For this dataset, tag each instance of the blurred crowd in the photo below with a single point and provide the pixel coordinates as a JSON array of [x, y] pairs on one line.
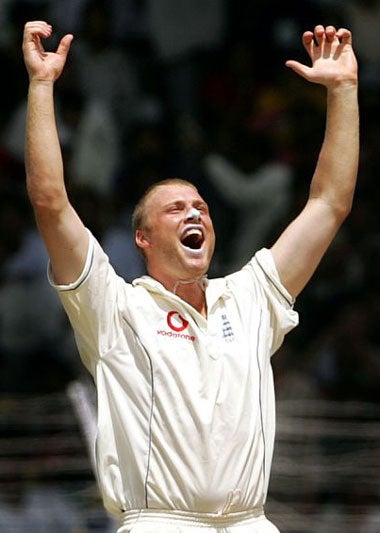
[[195, 89]]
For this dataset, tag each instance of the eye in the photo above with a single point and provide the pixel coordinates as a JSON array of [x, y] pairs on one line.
[[173, 209], [202, 208]]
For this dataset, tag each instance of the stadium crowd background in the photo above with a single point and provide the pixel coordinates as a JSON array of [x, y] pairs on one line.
[[196, 89]]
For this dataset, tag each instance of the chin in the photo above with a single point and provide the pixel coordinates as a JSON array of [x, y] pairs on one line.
[[197, 269], [196, 262]]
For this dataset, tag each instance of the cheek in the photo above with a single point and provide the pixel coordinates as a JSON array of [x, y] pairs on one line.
[[165, 239], [210, 229]]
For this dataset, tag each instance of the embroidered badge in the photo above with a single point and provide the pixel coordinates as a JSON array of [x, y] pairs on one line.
[[227, 330]]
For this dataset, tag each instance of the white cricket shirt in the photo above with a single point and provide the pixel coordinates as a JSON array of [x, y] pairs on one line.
[[186, 414]]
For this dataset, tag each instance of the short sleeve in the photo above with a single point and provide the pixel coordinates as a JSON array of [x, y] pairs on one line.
[[259, 293], [92, 305]]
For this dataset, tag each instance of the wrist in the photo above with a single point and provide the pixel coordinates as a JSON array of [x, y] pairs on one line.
[[36, 82], [343, 86]]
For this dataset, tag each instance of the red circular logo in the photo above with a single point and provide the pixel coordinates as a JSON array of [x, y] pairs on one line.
[[176, 322]]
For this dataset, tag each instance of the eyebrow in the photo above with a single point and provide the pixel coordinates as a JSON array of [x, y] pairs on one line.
[[197, 202]]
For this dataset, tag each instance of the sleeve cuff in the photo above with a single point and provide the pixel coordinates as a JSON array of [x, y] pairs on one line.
[[266, 262]]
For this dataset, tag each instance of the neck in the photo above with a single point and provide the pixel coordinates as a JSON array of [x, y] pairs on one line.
[[192, 292]]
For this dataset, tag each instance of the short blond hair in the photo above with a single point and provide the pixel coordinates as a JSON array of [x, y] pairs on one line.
[[139, 216]]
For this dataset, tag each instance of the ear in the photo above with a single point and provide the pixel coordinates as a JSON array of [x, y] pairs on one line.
[[142, 240]]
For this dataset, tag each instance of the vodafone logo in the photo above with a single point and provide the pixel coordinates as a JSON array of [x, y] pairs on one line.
[[176, 322], [177, 325]]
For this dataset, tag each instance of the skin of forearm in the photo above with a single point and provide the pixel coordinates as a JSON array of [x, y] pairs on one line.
[[43, 159], [335, 175]]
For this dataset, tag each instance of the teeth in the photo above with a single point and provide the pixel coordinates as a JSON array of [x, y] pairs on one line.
[[193, 231]]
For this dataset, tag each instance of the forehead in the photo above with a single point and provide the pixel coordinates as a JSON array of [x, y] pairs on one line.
[[167, 194]]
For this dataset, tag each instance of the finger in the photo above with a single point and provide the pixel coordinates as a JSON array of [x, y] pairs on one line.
[[308, 42], [307, 38], [39, 27], [319, 34], [344, 35], [33, 32], [330, 33]]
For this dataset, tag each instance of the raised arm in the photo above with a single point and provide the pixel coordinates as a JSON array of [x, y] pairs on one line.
[[64, 234], [300, 248]]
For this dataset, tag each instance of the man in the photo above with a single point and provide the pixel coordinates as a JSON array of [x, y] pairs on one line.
[[181, 363]]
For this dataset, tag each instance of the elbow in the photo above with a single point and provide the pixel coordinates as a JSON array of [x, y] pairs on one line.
[[51, 199], [343, 210], [338, 202], [344, 206]]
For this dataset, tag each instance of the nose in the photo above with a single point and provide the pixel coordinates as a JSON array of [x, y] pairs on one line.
[[193, 213]]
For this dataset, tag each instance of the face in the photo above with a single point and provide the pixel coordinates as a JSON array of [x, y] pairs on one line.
[[179, 240]]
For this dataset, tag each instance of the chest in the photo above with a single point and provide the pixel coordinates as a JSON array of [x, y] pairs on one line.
[[213, 358]]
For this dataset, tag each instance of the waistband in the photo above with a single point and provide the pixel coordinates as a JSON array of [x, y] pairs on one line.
[[186, 518]]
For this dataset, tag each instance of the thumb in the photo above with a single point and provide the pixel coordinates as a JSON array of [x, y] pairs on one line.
[[299, 68], [64, 45]]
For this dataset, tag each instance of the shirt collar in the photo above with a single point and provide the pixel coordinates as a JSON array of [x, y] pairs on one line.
[[215, 288]]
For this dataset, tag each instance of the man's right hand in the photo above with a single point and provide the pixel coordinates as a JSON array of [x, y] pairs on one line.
[[42, 65]]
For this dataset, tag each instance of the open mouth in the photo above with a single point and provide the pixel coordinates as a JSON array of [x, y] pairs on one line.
[[192, 238]]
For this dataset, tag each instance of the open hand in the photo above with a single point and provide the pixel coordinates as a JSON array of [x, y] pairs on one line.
[[332, 56], [42, 65]]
